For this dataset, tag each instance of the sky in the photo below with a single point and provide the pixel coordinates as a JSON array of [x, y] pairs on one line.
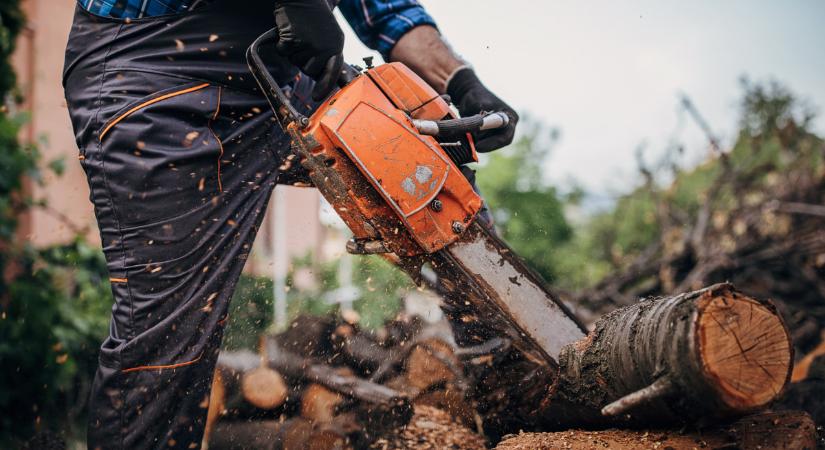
[[609, 74]]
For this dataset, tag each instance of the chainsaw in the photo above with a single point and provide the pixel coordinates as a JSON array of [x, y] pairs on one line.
[[382, 151]]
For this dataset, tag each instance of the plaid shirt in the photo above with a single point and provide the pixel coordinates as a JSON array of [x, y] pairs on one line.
[[378, 23]]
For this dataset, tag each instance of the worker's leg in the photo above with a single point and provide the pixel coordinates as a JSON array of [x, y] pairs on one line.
[[181, 165]]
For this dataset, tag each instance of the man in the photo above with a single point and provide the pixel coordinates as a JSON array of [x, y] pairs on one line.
[[181, 153]]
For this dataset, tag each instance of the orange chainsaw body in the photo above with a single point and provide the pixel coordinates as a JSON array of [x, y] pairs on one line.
[[368, 122]]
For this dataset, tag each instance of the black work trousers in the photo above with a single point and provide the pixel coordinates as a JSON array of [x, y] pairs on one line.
[[181, 153]]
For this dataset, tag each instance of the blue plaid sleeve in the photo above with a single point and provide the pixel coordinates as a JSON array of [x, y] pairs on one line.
[[135, 9], [381, 23]]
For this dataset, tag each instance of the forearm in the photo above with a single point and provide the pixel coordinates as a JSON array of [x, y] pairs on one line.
[[424, 51]]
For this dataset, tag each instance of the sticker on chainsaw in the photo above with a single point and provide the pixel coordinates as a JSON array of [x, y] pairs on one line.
[[402, 165]]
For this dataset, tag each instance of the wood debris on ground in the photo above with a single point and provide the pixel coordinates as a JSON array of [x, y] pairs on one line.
[[331, 383], [774, 431], [432, 429]]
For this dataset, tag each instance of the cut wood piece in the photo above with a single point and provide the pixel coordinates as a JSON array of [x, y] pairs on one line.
[[264, 388], [319, 404], [431, 362], [745, 347], [298, 368], [308, 336], [802, 368], [359, 349], [782, 431], [451, 399], [217, 404], [295, 434], [710, 353]]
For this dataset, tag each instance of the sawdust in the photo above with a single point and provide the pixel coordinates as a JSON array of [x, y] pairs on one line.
[[432, 428], [789, 430], [609, 439]]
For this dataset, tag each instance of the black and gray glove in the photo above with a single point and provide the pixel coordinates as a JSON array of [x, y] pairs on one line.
[[310, 38], [471, 97]]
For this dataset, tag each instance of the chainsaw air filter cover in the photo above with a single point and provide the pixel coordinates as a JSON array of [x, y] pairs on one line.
[[370, 121]]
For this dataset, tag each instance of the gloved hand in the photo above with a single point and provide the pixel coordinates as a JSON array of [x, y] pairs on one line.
[[310, 38], [471, 97]]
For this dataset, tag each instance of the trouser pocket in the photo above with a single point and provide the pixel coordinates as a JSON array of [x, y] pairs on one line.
[[160, 155]]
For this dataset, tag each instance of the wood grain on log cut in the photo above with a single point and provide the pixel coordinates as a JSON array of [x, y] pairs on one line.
[[744, 347], [264, 388], [319, 404]]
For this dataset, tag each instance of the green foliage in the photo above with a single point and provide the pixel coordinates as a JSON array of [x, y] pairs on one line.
[[251, 313], [382, 288], [772, 140], [54, 302], [50, 331], [11, 22], [529, 212]]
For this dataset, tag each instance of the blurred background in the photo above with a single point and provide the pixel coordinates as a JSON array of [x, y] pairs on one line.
[[663, 147]]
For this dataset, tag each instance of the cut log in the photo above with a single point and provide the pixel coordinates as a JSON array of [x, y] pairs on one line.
[[392, 406], [707, 354], [318, 404], [359, 349], [431, 362], [308, 336], [452, 400], [247, 389], [264, 388], [297, 367]]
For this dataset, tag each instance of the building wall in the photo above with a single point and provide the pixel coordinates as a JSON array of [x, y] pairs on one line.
[[39, 65]]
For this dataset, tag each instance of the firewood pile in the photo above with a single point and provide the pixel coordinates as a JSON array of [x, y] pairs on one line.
[[711, 355], [325, 383]]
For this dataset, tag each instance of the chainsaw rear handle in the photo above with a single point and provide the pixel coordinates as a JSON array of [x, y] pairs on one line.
[[457, 127], [279, 102]]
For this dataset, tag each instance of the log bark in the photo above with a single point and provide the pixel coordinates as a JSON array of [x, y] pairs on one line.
[[713, 353]]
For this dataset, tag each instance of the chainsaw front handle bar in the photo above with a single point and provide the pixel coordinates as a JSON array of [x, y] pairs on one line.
[[457, 127], [279, 102]]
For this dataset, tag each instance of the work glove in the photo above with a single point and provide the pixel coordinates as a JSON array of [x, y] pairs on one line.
[[471, 97], [310, 38]]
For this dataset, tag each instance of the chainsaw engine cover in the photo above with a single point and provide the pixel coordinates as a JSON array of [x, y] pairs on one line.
[[369, 121]]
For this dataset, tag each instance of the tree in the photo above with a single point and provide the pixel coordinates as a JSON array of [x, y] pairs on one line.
[[528, 210]]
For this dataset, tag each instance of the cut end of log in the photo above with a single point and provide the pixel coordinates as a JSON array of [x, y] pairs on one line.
[[264, 388], [318, 404], [744, 347]]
